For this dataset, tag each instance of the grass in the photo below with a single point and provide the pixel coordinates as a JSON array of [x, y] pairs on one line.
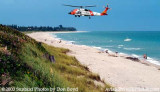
[[70, 69], [26, 64]]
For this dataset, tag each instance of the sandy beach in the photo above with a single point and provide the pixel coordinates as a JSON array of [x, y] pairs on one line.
[[117, 71]]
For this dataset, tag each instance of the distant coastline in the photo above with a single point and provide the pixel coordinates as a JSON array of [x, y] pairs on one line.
[[41, 28]]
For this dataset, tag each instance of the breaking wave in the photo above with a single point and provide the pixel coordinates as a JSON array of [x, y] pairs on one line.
[[120, 45], [127, 40], [149, 59], [97, 47], [132, 48]]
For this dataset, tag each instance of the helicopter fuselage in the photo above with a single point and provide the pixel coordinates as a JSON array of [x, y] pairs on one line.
[[84, 12]]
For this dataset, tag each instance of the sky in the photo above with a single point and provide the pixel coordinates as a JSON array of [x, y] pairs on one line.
[[126, 15]]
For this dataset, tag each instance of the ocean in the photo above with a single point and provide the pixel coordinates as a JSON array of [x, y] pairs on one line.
[[134, 43]]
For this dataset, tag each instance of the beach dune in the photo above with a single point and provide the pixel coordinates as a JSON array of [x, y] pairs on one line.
[[117, 71]]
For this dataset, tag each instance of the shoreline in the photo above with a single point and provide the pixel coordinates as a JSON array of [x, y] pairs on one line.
[[149, 61], [120, 54], [117, 71]]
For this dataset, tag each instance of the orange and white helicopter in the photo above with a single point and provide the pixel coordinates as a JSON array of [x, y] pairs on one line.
[[86, 12]]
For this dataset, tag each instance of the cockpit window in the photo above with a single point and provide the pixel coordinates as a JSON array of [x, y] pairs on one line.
[[86, 10]]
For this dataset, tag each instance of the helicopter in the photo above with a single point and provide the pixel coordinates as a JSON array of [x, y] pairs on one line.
[[82, 11]]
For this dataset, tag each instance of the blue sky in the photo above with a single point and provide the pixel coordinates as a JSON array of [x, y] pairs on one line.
[[126, 15]]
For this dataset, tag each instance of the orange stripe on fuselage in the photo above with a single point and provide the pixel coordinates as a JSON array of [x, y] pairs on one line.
[[91, 13]]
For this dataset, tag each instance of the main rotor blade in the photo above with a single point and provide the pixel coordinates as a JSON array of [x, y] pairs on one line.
[[72, 5], [90, 6], [80, 6]]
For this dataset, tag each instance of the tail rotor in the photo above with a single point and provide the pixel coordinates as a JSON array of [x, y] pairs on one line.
[[105, 11]]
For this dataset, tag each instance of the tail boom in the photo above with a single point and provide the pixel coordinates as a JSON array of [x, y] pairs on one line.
[[105, 11]]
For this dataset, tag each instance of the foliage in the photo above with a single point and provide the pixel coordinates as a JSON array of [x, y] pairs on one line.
[[42, 28]]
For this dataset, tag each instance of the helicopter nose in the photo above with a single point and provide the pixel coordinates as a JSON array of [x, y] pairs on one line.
[[69, 13]]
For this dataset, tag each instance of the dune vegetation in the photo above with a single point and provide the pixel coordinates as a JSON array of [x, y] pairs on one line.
[[26, 63]]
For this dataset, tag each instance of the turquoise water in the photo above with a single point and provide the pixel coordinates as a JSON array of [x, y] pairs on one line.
[[135, 43]]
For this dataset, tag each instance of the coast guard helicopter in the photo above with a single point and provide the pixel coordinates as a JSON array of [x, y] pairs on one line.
[[86, 12]]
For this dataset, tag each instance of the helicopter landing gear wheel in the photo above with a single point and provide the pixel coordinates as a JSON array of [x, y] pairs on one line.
[[75, 15], [89, 17], [79, 16]]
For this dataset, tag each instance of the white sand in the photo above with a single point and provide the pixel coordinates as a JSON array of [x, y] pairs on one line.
[[117, 71]]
